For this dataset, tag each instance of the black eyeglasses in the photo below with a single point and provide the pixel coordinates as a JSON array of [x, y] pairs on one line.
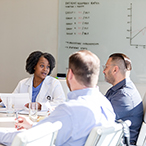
[[105, 66]]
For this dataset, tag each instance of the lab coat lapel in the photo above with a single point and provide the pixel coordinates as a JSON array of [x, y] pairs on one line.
[[43, 90], [29, 83]]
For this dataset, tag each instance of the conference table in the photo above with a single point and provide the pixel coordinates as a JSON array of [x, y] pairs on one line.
[[8, 121]]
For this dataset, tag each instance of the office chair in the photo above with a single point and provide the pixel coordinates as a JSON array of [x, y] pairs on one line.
[[106, 136], [41, 135], [65, 87], [141, 141]]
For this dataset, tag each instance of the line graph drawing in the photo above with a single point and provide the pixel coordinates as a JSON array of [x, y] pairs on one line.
[[137, 25], [139, 32]]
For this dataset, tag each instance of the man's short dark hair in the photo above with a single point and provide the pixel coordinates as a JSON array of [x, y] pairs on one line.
[[33, 59], [120, 56], [85, 66]]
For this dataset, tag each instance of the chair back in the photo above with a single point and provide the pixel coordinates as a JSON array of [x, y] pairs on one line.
[[141, 141], [105, 136], [144, 107], [43, 134], [65, 87]]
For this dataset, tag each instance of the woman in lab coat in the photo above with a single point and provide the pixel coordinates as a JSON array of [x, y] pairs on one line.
[[42, 88]]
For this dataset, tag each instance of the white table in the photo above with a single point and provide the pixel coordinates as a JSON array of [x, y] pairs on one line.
[[6, 121], [9, 121]]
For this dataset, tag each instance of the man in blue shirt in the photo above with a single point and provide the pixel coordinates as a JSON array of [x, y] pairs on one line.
[[124, 96], [86, 107]]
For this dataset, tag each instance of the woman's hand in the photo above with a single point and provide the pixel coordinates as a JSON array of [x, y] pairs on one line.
[[27, 105], [39, 105]]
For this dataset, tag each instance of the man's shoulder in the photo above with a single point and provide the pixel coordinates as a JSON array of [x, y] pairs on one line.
[[130, 90], [125, 88], [126, 94]]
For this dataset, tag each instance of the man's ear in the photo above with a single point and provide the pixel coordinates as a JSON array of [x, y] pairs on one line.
[[70, 74], [115, 69]]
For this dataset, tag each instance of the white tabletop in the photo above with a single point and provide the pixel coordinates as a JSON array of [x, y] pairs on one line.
[[7, 122]]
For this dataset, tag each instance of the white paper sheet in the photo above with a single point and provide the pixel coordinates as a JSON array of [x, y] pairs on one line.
[[18, 99]]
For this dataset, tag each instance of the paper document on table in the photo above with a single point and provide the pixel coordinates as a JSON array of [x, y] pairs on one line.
[[18, 99], [39, 113]]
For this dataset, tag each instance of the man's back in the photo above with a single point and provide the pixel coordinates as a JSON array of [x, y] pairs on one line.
[[86, 109]]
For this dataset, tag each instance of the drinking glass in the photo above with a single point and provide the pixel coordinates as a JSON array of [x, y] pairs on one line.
[[10, 105], [33, 109]]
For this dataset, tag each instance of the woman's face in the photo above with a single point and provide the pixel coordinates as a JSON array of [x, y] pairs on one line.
[[42, 68]]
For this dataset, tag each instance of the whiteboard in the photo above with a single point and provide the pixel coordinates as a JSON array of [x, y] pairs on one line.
[[103, 27]]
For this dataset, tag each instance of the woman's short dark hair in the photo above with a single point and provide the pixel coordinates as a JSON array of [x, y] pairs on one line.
[[33, 59]]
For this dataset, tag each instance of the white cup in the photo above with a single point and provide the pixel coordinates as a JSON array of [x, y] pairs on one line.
[[33, 109]]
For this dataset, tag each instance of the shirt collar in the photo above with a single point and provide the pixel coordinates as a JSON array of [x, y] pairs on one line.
[[120, 84], [83, 92]]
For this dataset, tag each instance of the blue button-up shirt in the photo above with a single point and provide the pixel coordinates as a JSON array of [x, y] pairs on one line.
[[85, 109], [127, 104]]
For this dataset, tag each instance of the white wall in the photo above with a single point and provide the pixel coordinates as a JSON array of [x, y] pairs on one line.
[[25, 26]]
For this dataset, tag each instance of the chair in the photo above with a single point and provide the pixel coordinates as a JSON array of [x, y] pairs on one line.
[[106, 136], [64, 86], [43, 134], [141, 141]]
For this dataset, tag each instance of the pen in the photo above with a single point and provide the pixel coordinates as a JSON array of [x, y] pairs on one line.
[[16, 114], [17, 118]]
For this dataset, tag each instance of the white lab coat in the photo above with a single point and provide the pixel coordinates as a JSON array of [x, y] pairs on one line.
[[51, 87]]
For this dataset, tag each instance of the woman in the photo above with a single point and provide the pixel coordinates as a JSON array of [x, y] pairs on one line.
[[42, 88]]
